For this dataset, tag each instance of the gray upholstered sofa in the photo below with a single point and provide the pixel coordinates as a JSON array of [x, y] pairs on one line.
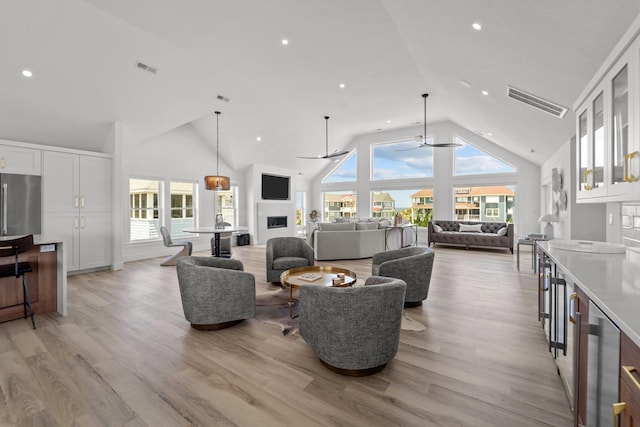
[[484, 234], [355, 240]]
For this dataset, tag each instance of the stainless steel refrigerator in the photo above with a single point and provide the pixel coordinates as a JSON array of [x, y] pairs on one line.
[[20, 204]]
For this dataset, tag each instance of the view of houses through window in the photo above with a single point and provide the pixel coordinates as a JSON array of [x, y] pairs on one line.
[[415, 206], [182, 210], [338, 204], [144, 211], [485, 203]]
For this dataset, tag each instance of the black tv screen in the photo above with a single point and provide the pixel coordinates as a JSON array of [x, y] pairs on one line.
[[275, 187]]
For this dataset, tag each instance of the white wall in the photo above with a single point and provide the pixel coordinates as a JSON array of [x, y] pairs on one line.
[[527, 178], [180, 154], [581, 221]]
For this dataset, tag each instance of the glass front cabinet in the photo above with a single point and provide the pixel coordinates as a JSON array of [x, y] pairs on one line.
[[607, 126]]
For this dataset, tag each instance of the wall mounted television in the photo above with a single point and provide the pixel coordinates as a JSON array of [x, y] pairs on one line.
[[275, 187]]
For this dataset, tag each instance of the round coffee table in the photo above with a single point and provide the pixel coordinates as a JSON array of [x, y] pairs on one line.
[[294, 279]]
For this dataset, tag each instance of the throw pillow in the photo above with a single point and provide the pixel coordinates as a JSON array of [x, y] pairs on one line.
[[474, 228], [436, 228], [337, 226], [366, 225], [502, 231]]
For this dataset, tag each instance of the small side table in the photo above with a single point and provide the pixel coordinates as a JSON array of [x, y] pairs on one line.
[[530, 240], [402, 227]]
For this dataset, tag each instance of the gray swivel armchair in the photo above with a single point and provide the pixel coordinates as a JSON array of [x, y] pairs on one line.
[[216, 292], [187, 248], [413, 265], [353, 331], [284, 253]]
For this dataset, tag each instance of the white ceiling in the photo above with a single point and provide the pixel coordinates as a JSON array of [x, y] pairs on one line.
[[388, 52]]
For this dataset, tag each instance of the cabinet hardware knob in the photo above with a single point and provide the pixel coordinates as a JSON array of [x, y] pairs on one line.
[[586, 179], [76, 222], [618, 408], [82, 201], [572, 296], [628, 177], [76, 202], [629, 370]]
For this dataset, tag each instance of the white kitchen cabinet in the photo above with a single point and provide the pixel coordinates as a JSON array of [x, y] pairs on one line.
[[77, 206], [20, 160], [607, 125]]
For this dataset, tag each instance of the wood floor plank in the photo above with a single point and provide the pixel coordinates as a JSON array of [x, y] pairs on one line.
[[125, 355]]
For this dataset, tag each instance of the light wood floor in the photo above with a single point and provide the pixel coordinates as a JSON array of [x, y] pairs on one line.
[[125, 356]]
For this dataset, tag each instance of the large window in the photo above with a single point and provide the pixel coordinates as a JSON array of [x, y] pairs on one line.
[[144, 209], [346, 170], [492, 203], [470, 160], [182, 208], [401, 160], [226, 204], [338, 204], [300, 210], [415, 205]]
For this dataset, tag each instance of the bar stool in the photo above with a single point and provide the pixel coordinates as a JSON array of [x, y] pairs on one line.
[[18, 269]]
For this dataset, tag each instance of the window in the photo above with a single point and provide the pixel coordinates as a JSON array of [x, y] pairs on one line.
[[144, 212], [300, 217], [182, 212], [345, 172], [339, 204], [470, 160], [225, 204], [492, 203], [397, 160], [414, 205]]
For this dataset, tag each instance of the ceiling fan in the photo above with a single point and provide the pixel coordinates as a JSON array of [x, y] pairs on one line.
[[327, 155], [422, 139]]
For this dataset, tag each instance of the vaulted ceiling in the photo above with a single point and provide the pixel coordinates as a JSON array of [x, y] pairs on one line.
[[84, 56]]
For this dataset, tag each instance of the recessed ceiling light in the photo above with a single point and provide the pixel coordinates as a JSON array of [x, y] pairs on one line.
[[259, 139], [27, 73], [285, 42], [476, 26], [464, 83], [336, 161], [388, 121], [342, 85], [484, 92], [489, 134]]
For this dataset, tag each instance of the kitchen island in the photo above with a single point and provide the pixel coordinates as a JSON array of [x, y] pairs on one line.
[[47, 282], [602, 342]]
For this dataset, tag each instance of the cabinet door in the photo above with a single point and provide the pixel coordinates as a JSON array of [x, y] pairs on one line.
[[581, 356], [95, 184], [591, 148], [60, 182], [630, 417], [66, 226], [622, 145], [20, 160], [95, 240]]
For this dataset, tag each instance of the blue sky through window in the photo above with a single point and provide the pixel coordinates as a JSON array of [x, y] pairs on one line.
[[390, 163], [473, 161], [346, 172]]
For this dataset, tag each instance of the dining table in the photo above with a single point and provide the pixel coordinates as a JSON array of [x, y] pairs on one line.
[[216, 231]]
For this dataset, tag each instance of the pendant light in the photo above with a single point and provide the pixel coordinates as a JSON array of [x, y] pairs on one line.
[[217, 182], [422, 139], [326, 153]]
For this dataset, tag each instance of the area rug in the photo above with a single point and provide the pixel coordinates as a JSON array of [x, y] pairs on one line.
[[272, 307]]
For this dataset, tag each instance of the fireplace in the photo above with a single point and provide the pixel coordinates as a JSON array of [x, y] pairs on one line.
[[276, 222]]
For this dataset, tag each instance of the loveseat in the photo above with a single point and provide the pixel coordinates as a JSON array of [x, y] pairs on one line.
[[471, 233], [355, 239]]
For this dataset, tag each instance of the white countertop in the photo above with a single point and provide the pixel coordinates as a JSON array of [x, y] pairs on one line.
[[611, 281]]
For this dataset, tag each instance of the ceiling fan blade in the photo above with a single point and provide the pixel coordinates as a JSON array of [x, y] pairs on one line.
[[311, 157], [414, 148], [444, 144], [336, 154]]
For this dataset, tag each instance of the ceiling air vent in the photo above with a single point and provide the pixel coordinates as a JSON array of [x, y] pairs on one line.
[[537, 102], [146, 67]]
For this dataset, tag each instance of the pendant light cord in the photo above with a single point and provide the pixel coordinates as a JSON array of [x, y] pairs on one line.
[[217, 145], [326, 135], [424, 135]]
